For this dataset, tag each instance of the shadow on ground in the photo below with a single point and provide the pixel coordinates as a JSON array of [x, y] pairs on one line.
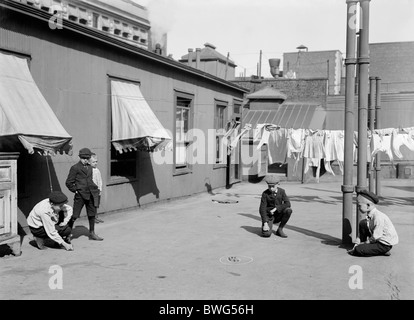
[[326, 238]]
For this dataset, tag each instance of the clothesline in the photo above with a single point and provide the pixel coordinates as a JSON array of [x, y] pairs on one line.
[[322, 146]]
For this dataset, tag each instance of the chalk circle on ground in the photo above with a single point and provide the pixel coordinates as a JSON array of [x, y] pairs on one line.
[[232, 260], [227, 201]]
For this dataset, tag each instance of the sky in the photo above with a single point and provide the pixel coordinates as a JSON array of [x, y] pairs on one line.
[[244, 28]]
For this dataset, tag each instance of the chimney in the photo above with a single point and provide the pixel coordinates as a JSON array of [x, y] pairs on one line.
[[274, 67], [198, 51], [190, 57], [158, 49]]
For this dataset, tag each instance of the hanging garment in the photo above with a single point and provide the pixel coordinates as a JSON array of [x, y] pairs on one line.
[[314, 150], [402, 138], [277, 147], [295, 142], [334, 149], [236, 140], [381, 143], [295, 145], [266, 130]]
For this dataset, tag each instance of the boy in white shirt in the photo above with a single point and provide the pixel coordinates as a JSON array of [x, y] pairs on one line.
[[49, 219], [97, 179]]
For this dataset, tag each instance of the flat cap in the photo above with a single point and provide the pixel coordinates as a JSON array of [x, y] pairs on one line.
[[272, 179], [369, 195], [58, 197], [85, 152]]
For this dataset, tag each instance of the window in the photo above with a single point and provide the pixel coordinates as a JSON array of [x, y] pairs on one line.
[[220, 127], [237, 108], [122, 165], [95, 19], [183, 123]]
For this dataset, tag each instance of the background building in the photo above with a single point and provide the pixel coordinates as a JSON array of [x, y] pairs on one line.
[[84, 76]]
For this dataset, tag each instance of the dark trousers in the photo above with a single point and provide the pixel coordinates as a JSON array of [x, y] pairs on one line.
[[369, 249], [282, 217], [41, 232], [78, 204]]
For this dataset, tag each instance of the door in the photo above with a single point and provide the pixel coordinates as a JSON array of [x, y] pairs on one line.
[[8, 195]]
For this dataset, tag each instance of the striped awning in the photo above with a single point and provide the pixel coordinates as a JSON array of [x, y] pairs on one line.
[[134, 124], [25, 116]]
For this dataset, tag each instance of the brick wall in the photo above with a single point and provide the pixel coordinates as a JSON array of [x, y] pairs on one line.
[[297, 90], [394, 64]]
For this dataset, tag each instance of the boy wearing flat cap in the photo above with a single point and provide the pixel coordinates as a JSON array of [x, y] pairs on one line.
[[49, 219], [274, 207], [80, 182], [377, 234]]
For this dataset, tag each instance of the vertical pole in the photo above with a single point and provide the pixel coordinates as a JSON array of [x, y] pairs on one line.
[[363, 62], [371, 122], [329, 84], [260, 65], [227, 65], [350, 62], [378, 126]]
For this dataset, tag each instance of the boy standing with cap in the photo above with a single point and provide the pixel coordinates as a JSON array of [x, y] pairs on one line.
[[49, 219], [377, 234], [274, 207], [79, 181]]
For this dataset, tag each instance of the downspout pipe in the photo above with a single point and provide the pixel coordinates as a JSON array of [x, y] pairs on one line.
[[378, 126], [350, 63], [363, 62], [371, 125]]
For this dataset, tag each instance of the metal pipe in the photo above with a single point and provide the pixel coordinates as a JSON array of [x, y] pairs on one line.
[[350, 62], [190, 57], [363, 62], [198, 52], [378, 126], [371, 125]]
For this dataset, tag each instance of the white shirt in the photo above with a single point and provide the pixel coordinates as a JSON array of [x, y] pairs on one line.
[[97, 178], [43, 215], [381, 227]]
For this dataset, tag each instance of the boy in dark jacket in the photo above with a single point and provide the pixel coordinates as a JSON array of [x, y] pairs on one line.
[[274, 208], [79, 181]]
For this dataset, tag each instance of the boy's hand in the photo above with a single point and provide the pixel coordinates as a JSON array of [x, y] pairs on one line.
[[67, 246]]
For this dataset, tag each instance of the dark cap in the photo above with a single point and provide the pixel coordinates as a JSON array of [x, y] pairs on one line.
[[369, 195], [58, 197], [85, 153], [272, 179]]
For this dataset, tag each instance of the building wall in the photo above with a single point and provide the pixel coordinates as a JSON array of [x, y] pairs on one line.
[[72, 71], [297, 90], [393, 62], [316, 64]]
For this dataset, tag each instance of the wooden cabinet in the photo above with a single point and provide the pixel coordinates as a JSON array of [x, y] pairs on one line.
[[8, 202]]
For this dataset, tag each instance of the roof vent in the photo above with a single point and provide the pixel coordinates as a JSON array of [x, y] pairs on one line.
[[209, 45]]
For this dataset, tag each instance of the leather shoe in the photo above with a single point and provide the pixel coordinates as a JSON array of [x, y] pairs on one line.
[[94, 236], [68, 239], [281, 234], [40, 243]]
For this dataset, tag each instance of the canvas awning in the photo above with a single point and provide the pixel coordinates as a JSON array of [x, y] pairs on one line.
[[25, 116], [289, 115], [134, 124]]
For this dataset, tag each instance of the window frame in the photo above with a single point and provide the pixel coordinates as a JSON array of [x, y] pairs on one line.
[[117, 179], [221, 160], [187, 167]]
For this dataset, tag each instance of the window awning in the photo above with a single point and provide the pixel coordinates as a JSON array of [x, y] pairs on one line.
[[25, 116], [134, 124], [289, 115]]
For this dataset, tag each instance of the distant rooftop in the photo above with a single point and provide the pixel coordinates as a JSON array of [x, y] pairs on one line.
[[208, 53]]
